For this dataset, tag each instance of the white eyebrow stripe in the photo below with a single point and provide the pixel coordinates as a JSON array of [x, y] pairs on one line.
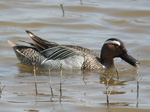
[[113, 42]]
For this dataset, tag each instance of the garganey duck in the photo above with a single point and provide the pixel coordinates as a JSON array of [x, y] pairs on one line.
[[52, 55]]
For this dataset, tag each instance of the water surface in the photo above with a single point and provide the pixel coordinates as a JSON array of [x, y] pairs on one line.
[[88, 24]]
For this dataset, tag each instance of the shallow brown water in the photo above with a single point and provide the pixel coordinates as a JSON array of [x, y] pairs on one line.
[[88, 25]]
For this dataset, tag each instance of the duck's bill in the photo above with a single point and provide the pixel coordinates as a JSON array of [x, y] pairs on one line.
[[129, 59]]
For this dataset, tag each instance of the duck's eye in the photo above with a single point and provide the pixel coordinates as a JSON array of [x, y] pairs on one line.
[[116, 46]]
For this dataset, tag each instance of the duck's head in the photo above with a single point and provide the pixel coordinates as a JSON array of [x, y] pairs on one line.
[[113, 48]]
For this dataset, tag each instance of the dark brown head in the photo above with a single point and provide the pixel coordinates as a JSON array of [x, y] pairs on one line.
[[113, 48]]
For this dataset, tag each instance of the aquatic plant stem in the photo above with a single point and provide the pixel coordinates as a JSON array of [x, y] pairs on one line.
[[35, 81], [1, 89], [107, 92], [138, 83], [117, 73], [50, 83], [61, 88], [107, 75], [84, 79], [60, 82], [62, 9]]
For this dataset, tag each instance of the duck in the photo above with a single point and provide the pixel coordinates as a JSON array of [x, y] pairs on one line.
[[48, 54]]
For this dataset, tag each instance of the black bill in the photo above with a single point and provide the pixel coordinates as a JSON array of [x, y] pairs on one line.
[[129, 59]]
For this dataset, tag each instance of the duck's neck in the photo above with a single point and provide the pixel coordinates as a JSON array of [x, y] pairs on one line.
[[107, 56], [107, 62]]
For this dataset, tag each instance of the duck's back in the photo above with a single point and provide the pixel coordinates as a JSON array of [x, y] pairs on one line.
[[52, 55]]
